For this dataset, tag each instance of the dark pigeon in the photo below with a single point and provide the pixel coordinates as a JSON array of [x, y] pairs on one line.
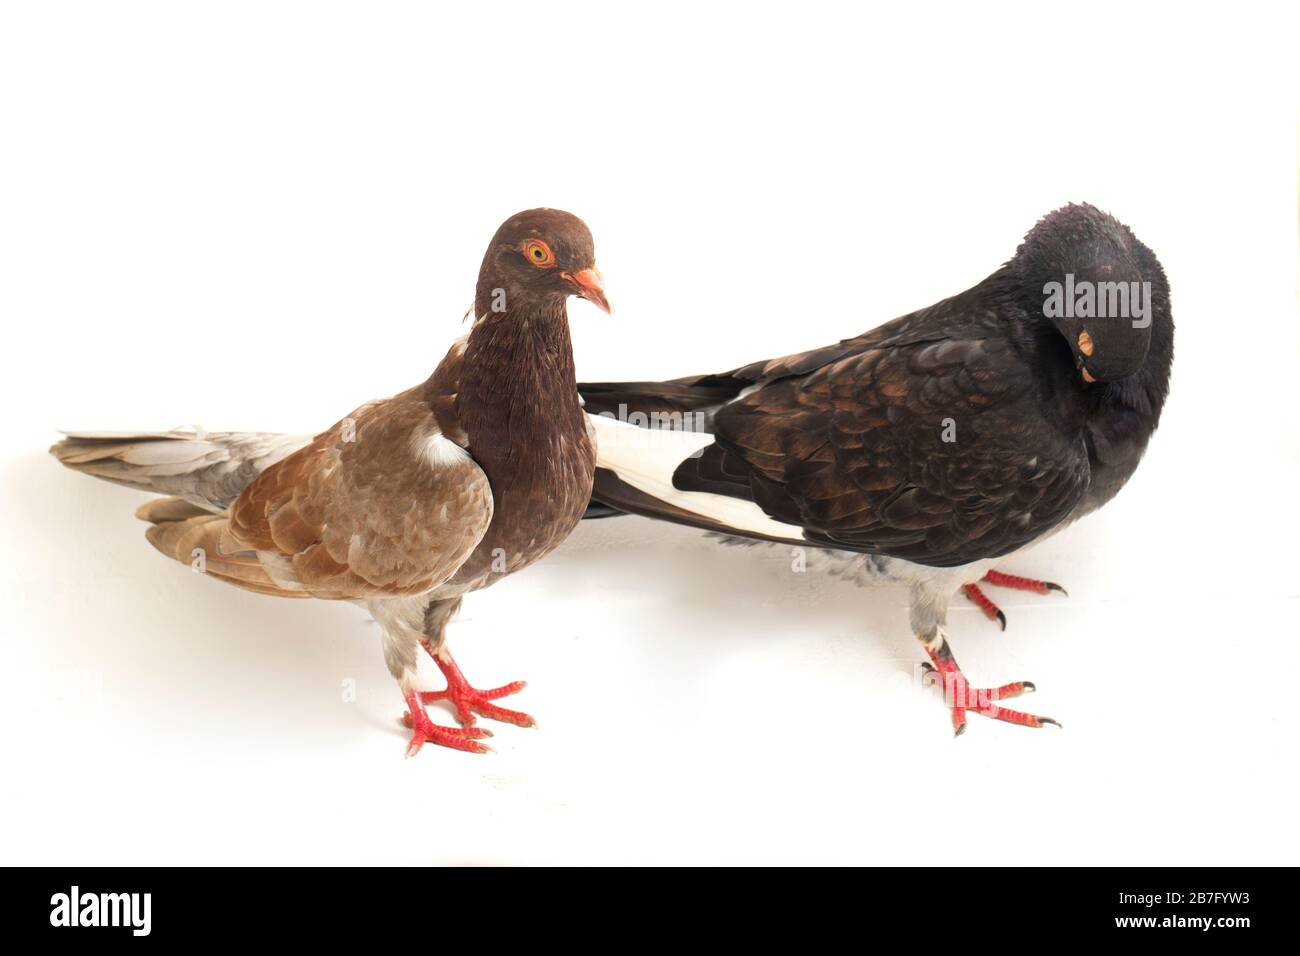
[[927, 449]]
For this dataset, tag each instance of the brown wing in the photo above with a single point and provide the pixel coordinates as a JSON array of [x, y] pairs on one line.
[[382, 504]]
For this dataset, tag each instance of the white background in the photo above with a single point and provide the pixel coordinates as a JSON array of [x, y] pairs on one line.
[[257, 216]]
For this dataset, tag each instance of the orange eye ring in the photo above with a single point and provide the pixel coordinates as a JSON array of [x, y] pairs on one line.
[[538, 253]]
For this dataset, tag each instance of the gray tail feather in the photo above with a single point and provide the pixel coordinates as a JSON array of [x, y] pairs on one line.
[[206, 470]]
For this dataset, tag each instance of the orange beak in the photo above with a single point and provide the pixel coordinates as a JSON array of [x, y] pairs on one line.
[[591, 286]]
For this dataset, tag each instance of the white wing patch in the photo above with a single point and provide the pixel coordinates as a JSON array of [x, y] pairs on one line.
[[646, 458], [436, 449]]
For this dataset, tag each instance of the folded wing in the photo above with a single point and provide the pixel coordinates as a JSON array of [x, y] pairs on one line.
[[382, 504], [930, 439]]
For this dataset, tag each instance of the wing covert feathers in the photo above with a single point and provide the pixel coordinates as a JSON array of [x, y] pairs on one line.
[[382, 504]]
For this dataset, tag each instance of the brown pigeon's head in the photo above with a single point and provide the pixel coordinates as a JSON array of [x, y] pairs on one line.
[[540, 256], [1102, 289]]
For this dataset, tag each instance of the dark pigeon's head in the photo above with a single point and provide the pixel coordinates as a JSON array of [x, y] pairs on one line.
[[542, 256], [1103, 290]]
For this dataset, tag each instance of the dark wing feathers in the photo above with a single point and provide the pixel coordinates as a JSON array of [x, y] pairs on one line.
[[854, 450], [687, 395]]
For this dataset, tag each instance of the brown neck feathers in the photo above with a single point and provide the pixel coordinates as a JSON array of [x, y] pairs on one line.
[[518, 390]]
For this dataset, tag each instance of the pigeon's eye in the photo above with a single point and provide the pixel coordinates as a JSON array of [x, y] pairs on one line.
[[538, 253]]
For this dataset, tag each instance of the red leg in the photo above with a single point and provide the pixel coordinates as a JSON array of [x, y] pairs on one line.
[[961, 697], [1000, 580], [426, 731], [469, 700], [991, 610]]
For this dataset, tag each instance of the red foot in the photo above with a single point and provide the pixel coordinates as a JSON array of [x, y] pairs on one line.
[[961, 697], [469, 700], [1000, 580], [991, 610], [426, 731]]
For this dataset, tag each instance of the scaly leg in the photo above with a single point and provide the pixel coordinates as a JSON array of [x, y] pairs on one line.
[[400, 643], [1000, 580], [466, 699], [961, 697], [425, 731], [469, 700]]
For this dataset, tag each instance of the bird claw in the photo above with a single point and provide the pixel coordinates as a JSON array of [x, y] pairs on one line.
[[457, 738], [468, 701], [470, 733], [962, 698], [999, 580], [426, 731]]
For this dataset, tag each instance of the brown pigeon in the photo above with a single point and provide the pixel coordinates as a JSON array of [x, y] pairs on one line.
[[926, 450], [409, 502]]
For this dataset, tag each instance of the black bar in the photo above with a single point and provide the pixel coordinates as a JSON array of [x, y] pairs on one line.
[[330, 905]]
